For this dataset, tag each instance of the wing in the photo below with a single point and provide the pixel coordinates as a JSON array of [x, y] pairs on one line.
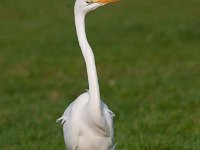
[[65, 117]]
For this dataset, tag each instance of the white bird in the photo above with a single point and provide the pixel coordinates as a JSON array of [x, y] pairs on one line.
[[87, 121]]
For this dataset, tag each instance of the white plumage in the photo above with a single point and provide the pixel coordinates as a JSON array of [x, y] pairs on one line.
[[87, 121]]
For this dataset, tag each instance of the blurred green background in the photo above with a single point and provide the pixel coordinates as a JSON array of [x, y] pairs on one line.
[[148, 61]]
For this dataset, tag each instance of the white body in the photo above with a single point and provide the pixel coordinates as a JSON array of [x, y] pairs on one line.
[[82, 130], [87, 122]]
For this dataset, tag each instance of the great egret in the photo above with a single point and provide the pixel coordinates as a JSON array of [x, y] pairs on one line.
[[87, 121]]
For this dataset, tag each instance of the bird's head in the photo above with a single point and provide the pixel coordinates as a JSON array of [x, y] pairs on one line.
[[85, 6]]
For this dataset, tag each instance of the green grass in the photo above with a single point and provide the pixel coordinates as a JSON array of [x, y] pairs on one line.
[[148, 61]]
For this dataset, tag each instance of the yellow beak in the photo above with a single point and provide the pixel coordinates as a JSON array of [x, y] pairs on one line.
[[106, 1]]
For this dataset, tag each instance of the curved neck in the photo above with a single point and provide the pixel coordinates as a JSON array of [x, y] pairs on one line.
[[89, 58]]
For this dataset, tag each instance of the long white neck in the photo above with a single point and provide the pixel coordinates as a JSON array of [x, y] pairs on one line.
[[89, 59]]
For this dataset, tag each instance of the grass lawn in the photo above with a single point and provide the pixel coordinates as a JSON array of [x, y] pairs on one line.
[[148, 61]]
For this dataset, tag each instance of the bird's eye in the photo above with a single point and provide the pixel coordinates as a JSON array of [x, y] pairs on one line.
[[88, 2]]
